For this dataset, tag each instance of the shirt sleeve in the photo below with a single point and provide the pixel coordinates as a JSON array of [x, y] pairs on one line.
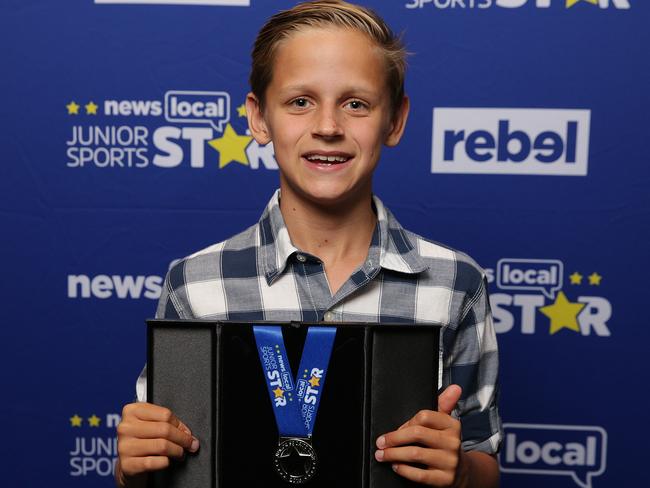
[[471, 361]]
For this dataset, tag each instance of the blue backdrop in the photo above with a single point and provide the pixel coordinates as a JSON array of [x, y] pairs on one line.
[[124, 147]]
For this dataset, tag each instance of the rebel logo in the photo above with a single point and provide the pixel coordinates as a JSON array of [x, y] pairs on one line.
[[510, 141]]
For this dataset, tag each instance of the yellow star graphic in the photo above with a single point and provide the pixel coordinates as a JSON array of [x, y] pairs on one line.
[[73, 108], [571, 3], [231, 147], [314, 381], [94, 421], [594, 278], [91, 108], [241, 110], [75, 420], [563, 313], [576, 278], [278, 392]]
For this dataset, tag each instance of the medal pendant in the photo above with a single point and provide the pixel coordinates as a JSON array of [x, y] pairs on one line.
[[295, 460]]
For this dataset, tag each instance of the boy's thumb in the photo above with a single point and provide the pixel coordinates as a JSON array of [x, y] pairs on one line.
[[449, 398]]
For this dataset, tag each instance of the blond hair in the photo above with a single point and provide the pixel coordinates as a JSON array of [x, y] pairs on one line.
[[325, 13]]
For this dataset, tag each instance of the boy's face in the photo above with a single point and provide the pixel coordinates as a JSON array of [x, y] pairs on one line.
[[327, 111]]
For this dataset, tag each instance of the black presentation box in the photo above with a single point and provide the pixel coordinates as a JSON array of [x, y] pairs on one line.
[[209, 375]]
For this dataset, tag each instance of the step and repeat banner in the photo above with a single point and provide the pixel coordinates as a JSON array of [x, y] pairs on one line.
[[125, 145]]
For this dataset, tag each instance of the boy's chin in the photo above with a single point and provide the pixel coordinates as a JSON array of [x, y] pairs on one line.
[[328, 197]]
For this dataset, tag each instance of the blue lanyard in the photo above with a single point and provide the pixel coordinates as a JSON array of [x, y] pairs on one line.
[[295, 401]]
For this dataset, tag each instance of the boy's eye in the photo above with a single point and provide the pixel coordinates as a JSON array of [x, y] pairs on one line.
[[357, 105], [300, 102]]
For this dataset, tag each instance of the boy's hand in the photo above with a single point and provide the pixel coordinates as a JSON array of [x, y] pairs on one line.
[[429, 439], [147, 437]]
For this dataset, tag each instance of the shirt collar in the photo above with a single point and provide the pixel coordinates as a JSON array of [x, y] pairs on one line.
[[390, 242]]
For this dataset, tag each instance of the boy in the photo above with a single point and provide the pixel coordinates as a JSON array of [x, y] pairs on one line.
[[328, 90]]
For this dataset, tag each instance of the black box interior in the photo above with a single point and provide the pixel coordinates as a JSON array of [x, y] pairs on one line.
[[209, 375]]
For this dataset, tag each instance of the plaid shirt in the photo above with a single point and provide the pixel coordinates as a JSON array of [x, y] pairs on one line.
[[260, 275]]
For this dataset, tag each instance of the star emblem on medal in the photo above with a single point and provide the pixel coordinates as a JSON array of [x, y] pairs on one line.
[[295, 460]]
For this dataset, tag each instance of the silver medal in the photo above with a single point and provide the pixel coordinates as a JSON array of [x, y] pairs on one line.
[[295, 460]]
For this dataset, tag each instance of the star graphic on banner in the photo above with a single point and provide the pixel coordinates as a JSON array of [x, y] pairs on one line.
[[91, 108], [571, 3], [73, 108], [241, 110], [75, 420], [576, 278], [563, 314], [278, 392], [94, 421], [594, 279], [314, 381], [231, 147]]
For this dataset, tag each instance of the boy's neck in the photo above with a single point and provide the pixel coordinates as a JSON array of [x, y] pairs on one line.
[[339, 235]]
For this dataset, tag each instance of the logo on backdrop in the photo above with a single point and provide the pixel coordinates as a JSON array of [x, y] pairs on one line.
[[510, 141], [219, 3], [195, 129], [93, 448], [534, 297], [577, 451], [483, 4], [114, 286]]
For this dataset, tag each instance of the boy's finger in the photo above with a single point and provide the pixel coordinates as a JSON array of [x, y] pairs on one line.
[[434, 477], [432, 420], [158, 430], [184, 428], [417, 434], [432, 458], [132, 466], [142, 448], [151, 412]]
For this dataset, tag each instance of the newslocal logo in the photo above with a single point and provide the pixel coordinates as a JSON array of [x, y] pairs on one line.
[[510, 141], [533, 296], [278, 375], [483, 4], [555, 450], [544, 275], [199, 130], [114, 286], [93, 450]]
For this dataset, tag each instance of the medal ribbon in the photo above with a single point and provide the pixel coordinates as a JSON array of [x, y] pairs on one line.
[[295, 400]]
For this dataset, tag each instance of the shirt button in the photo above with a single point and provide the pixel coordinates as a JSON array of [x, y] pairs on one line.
[[301, 258], [369, 262], [328, 317]]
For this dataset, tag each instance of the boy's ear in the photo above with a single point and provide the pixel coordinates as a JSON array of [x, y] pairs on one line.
[[256, 122], [398, 123]]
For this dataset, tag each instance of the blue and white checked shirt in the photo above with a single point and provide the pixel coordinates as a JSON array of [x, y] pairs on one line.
[[260, 275]]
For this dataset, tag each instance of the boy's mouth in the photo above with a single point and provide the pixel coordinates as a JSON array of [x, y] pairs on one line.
[[327, 158]]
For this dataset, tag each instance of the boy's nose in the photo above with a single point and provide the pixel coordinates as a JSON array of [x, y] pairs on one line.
[[327, 124]]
